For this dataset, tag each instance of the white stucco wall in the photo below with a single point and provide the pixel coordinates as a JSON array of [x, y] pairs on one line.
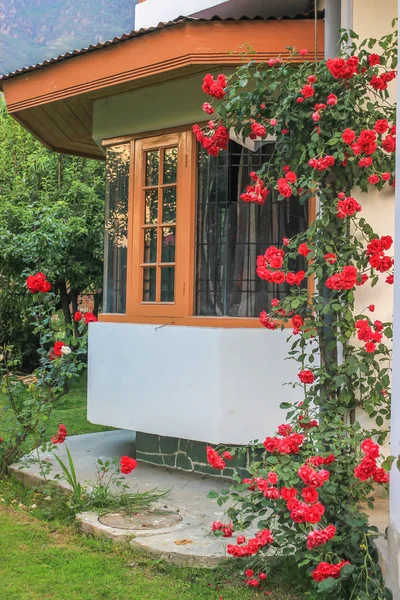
[[205, 384], [369, 20]]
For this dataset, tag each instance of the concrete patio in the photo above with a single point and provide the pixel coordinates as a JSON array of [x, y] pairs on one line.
[[188, 541]]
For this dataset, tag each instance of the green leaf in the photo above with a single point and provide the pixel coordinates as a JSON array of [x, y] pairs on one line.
[[212, 494], [387, 463], [285, 405], [346, 571], [328, 585]]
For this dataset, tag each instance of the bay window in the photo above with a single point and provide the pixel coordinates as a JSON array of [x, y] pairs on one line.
[[181, 247]]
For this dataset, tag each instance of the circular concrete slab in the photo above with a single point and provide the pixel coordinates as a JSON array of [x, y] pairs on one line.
[[146, 520]]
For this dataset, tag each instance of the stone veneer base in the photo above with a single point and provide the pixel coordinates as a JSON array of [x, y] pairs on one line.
[[185, 455]]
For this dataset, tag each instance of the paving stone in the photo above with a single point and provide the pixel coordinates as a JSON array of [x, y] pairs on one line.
[[169, 460], [169, 445], [147, 443], [183, 462]]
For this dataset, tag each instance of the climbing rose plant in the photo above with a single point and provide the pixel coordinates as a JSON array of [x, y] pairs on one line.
[[307, 486], [28, 402]]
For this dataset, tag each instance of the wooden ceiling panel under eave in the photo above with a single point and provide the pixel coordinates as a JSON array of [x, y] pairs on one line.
[[64, 126], [55, 101]]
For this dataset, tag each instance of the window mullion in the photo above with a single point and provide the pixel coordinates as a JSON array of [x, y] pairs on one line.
[[159, 228]]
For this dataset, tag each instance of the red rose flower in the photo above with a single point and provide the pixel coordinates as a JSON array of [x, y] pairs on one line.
[[127, 464], [378, 83], [78, 316], [314, 513], [373, 179], [366, 468], [214, 459], [381, 126], [214, 87], [272, 478], [370, 448], [278, 277], [272, 493], [389, 143], [307, 91], [291, 176], [348, 207], [284, 188], [386, 242], [299, 277], [304, 250], [306, 376], [207, 107], [298, 515], [348, 136], [381, 476], [285, 429], [38, 283], [90, 318], [330, 258], [365, 162], [288, 493], [310, 495], [332, 100], [297, 321], [373, 60], [258, 130], [56, 351], [59, 438]]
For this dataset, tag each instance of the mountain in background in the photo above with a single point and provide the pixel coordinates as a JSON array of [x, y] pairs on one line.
[[32, 31]]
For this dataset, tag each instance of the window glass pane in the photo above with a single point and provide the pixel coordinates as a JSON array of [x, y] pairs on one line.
[[167, 284], [169, 205], [151, 206], [231, 234], [116, 228], [150, 245], [152, 167], [170, 165], [168, 244], [149, 284]]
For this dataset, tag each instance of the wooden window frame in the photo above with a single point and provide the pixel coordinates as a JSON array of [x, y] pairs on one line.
[[181, 311]]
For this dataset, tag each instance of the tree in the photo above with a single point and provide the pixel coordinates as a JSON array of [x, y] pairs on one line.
[[51, 220]]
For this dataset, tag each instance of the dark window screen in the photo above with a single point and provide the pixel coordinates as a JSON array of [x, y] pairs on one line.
[[232, 233]]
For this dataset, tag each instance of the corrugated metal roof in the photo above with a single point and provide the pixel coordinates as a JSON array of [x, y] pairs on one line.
[[140, 32]]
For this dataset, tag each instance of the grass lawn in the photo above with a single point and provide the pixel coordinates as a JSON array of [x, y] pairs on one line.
[[70, 410], [40, 561], [43, 557]]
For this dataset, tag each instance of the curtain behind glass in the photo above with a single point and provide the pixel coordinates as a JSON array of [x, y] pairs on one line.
[[116, 228], [231, 234]]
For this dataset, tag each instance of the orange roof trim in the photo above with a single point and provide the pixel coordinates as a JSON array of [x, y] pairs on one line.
[[56, 102]]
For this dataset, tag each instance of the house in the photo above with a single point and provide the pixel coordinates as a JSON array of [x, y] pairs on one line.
[[179, 355]]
